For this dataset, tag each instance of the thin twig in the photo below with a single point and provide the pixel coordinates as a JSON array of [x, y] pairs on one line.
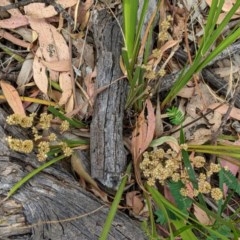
[[195, 120]]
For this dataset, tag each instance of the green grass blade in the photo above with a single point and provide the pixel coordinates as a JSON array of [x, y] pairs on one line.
[[152, 227], [12, 54], [182, 80], [55, 85], [73, 122], [210, 36], [76, 142], [216, 33], [160, 200], [148, 46], [130, 8], [134, 87], [114, 206], [163, 204], [231, 151], [32, 174], [127, 65], [190, 170], [138, 31], [211, 19], [223, 45], [182, 202], [215, 10]]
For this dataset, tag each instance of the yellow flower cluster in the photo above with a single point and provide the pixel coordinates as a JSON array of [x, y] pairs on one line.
[[35, 134], [159, 166], [152, 69], [216, 194], [150, 73], [67, 151], [43, 146], [45, 120], [23, 121], [18, 145], [165, 25], [198, 161], [204, 185], [64, 126], [52, 137], [43, 149]]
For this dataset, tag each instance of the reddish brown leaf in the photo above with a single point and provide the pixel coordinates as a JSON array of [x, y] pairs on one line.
[[40, 10], [202, 216], [235, 112], [16, 20], [12, 98], [143, 132], [134, 201], [13, 39], [59, 66], [65, 83], [39, 73]]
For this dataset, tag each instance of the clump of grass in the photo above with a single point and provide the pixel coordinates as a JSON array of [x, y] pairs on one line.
[[134, 59], [206, 53]]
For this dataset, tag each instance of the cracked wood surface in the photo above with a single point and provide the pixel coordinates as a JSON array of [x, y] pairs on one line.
[[108, 156]]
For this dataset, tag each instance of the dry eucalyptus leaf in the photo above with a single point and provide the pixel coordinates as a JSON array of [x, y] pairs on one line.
[[80, 167], [186, 92], [228, 4], [58, 66], [202, 216], [26, 33], [25, 74], [65, 83], [39, 73], [16, 20], [40, 10], [54, 50], [51, 43], [134, 201], [17, 41], [200, 136], [12, 98], [235, 112], [143, 132], [69, 104]]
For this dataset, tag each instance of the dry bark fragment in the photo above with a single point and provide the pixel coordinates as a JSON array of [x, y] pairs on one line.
[[108, 156]]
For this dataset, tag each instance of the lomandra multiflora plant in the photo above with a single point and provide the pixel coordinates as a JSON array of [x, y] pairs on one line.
[[47, 144], [42, 143], [163, 166]]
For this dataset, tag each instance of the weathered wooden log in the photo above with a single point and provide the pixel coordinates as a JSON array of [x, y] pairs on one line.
[[108, 156], [51, 205]]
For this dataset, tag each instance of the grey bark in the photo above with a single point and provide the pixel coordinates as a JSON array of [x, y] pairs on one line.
[[108, 156]]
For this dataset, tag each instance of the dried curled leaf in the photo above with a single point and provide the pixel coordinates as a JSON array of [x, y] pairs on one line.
[[143, 132]]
